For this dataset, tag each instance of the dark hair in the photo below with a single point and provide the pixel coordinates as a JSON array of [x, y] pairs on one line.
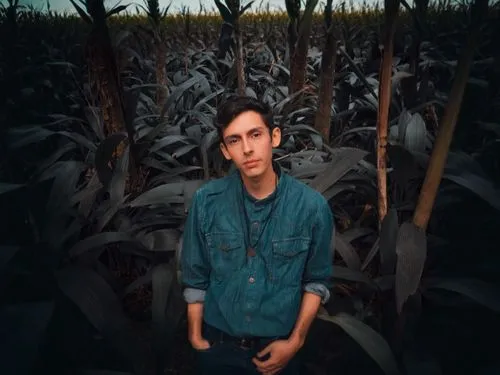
[[235, 105]]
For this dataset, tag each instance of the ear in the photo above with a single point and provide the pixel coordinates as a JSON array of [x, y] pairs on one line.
[[224, 151], [276, 137]]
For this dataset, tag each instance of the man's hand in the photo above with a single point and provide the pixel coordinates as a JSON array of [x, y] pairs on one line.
[[280, 351], [199, 343]]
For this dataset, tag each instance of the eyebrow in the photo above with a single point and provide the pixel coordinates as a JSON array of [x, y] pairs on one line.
[[257, 128]]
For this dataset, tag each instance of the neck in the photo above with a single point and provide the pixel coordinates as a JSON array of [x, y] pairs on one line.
[[261, 186]]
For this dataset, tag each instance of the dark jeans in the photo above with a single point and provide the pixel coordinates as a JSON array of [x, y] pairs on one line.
[[225, 357]]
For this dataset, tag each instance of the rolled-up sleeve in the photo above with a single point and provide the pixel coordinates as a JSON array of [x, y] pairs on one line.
[[318, 272], [194, 260]]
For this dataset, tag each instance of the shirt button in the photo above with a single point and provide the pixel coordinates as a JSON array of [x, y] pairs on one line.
[[251, 280], [255, 225]]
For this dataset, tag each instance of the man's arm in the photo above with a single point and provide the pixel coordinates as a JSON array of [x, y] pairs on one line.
[[317, 274], [195, 269], [308, 310]]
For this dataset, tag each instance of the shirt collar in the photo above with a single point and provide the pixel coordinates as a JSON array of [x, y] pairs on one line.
[[276, 193]]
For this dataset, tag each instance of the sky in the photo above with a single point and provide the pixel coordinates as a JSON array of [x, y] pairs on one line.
[[61, 5]]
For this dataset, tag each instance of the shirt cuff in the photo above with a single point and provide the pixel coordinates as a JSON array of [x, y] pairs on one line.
[[318, 289], [192, 295]]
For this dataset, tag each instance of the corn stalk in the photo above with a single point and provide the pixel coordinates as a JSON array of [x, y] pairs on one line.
[[231, 13], [419, 16], [105, 77], [328, 59], [293, 10], [391, 12], [156, 17], [449, 120], [298, 61]]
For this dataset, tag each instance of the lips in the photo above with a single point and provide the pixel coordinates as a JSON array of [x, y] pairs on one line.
[[251, 163]]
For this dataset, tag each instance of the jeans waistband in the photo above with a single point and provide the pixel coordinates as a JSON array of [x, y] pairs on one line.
[[213, 333]]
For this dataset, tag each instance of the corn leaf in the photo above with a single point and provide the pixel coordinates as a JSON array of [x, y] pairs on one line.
[[347, 252], [101, 239], [343, 161], [411, 250], [371, 341], [101, 306], [484, 293], [6, 187], [388, 239]]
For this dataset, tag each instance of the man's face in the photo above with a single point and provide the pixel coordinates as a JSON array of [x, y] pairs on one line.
[[249, 144]]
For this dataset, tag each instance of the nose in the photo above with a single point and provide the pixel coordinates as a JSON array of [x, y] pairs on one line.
[[247, 146]]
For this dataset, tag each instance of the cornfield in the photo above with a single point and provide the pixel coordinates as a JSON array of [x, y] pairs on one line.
[[391, 111]]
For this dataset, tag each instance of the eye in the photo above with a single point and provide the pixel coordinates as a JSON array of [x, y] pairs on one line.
[[257, 134]]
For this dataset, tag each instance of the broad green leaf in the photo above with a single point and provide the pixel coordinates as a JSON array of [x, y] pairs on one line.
[[112, 209], [357, 71], [411, 250], [160, 239], [167, 307], [162, 279], [415, 133], [355, 233], [116, 10], [101, 306], [183, 150], [58, 154], [79, 139], [82, 13], [207, 142], [479, 291], [483, 188], [302, 169], [160, 194], [6, 187], [347, 252], [94, 119], [342, 162], [369, 339], [388, 238], [345, 273], [168, 140], [117, 183], [337, 189], [23, 328], [85, 197], [101, 239], [371, 254], [140, 281], [403, 121], [244, 8], [189, 190], [24, 137], [104, 153], [66, 175], [179, 91]]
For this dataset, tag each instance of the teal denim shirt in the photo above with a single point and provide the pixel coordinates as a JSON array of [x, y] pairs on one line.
[[256, 295]]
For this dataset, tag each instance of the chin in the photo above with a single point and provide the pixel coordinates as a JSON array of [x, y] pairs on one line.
[[252, 172]]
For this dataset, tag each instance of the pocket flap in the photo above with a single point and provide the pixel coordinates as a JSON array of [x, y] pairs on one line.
[[224, 241], [291, 246]]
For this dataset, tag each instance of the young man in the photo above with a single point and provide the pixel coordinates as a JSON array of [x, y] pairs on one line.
[[256, 256]]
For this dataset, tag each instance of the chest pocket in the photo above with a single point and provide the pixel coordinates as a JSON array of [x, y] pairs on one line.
[[289, 259], [227, 253]]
